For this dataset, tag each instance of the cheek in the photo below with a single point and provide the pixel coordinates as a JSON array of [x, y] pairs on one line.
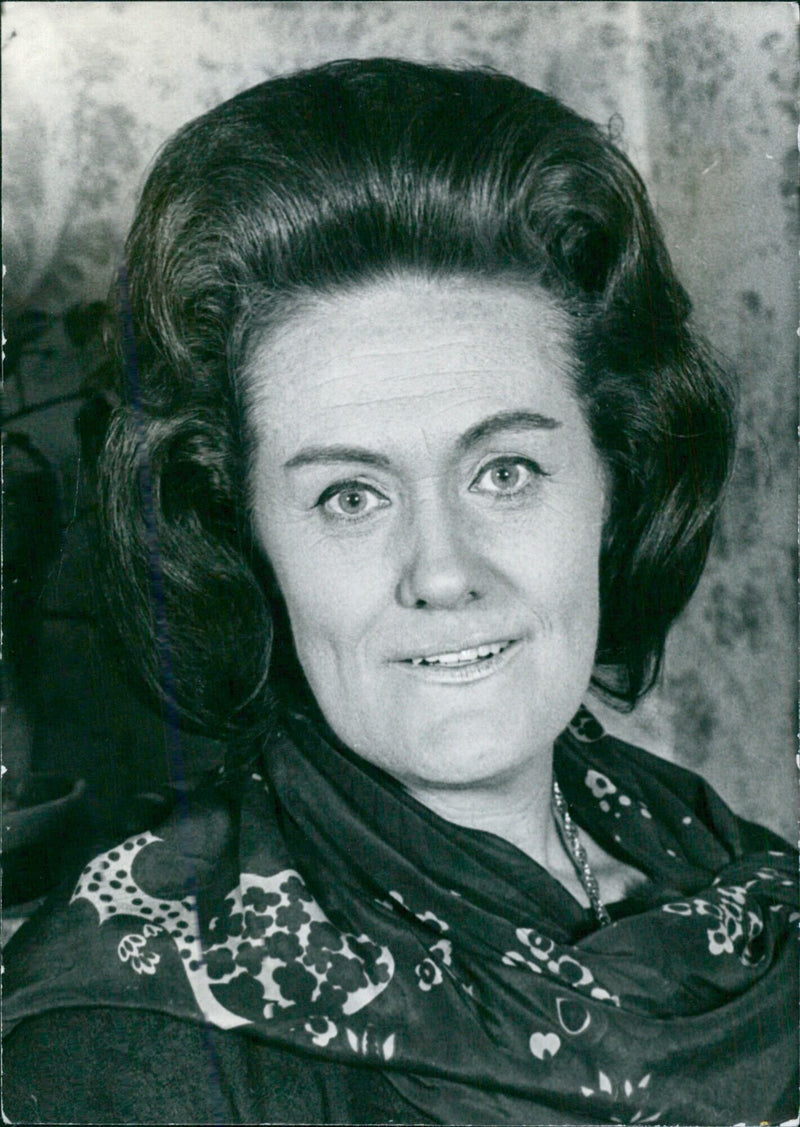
[[332, 601], [556, 559], [333, 591], [578, 588]]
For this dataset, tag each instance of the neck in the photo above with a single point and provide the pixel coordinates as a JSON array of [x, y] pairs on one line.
[[516, 808]]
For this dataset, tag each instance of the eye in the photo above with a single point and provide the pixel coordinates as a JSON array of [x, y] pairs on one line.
[[351, 500], [506, 477]]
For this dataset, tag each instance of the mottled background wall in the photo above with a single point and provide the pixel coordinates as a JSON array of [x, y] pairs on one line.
[[703, 97]]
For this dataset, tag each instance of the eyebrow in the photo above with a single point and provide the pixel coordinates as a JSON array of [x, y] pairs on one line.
[[505, 420], [331, 455], [486, 428]]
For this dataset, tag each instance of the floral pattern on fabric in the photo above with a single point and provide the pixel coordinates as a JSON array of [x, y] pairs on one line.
[[562, 965], [625, 1092], [608, 795], [337, 916], [272, 933], [431, 970], [133, 949], [737, 927]]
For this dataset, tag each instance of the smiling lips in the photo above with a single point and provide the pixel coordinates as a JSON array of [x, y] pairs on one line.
[[462, 658]]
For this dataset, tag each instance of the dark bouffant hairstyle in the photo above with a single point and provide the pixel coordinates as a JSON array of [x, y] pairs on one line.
[[335, 177]]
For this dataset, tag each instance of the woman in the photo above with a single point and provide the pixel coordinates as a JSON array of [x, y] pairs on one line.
[[418, 444]]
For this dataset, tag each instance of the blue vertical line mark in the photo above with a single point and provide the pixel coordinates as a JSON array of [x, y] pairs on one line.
[[176, 767]]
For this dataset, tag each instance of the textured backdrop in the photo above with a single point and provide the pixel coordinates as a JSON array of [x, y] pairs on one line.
[[703, 98]]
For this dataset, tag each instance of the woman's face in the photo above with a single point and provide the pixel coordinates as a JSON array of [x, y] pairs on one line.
[[428, 494]]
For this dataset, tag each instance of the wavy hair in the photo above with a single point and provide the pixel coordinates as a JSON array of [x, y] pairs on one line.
[[335, 177]]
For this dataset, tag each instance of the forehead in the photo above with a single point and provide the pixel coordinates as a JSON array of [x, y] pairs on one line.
[[408, 352]]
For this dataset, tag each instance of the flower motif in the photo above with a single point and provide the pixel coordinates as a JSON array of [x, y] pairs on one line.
[[539, 946], [515, 959], [259, 899], [255, 925], [599, 784], [724, 937], [429, 974], [296, 984], [372, 958], [567, 968], [132, 949], [234, 924], [585, 727], [323, 934], [719, 942], [369, 1043], [292, 916], [317, 958], [735, 921], [347, 973], [271, 946], [625, 1092], [573, 972], [396, 901], [295, 889], [284, 946], [321, 1030], [429, 917], [219, 963], [251, 957], [442, 952]]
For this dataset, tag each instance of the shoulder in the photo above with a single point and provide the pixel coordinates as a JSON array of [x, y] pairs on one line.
[[99, 1064], [111, 1065], [602, 769]]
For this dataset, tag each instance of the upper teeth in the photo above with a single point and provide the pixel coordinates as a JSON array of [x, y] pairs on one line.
[[462, 655]]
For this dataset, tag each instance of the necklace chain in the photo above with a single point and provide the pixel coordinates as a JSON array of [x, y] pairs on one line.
[[577, 854]]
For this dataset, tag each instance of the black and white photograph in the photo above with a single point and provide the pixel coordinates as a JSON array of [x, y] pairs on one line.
[[399, 562]]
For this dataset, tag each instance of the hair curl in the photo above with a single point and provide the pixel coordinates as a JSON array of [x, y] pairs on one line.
[[331, 178]]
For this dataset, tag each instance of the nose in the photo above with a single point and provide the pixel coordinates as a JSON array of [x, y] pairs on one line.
[[441, 568]]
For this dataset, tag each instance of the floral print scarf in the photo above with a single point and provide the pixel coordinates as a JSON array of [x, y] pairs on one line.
[[310, 902]]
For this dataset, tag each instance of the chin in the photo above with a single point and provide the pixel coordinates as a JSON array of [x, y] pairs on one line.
[[464, 751]]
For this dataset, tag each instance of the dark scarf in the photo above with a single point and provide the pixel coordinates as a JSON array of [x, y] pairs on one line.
[[310, 902]]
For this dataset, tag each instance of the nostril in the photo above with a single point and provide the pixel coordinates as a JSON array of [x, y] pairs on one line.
[[469, 597], [438, 572]]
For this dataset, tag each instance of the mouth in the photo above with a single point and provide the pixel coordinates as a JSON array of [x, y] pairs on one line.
[[458, 666], [460, 658]]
